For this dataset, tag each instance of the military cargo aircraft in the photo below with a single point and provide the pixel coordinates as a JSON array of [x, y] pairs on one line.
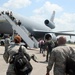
[[30, 27]]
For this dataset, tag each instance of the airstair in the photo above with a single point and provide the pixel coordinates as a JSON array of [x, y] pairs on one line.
[[33, 38], [20, 31], [35, 42], [25, 29]]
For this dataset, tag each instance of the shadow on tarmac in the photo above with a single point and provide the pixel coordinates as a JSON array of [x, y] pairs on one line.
[[42, 62], [1, 54]]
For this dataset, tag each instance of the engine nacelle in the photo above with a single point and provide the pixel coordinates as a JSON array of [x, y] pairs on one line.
[[50, 35], [49, 24]]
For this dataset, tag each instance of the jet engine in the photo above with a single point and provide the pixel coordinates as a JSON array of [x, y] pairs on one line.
[[50, 35], [49, 24]]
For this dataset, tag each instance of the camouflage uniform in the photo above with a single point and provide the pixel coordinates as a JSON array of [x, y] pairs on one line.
[[50, 45], [7, 43], [8, 55], [58, 58]]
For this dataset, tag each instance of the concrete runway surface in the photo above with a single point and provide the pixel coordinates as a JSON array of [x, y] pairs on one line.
[[38, 68]]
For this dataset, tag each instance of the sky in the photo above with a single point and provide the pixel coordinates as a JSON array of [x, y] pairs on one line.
[[39, 10]]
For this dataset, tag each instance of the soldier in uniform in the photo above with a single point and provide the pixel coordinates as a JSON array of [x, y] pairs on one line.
[[7, 42], [49, 45], [58, 57], [10, 52]]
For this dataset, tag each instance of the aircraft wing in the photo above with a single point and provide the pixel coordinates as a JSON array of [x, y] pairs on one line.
[[61, 33], [67, 31], [56, 33]]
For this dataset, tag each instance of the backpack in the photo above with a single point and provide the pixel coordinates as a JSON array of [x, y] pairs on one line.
[[22, 66], [70, 64]]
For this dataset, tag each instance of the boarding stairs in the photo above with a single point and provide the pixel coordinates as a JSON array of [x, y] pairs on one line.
[[25, 29], [20, 31], [36, 43], [33, 38]]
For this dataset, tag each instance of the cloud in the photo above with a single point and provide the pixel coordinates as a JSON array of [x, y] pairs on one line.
[[38, 18], [39, 0], [47, 8], [17, 3], [65, 22], [45, 11], [3, 9]]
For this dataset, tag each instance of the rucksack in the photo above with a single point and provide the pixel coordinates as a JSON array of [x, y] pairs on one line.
[[22, 66], [70, 64]]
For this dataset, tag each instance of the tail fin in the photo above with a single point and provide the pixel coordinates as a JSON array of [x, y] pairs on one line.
[[52, 17]]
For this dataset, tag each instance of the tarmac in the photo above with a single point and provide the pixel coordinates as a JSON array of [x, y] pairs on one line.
[[38, 68]]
